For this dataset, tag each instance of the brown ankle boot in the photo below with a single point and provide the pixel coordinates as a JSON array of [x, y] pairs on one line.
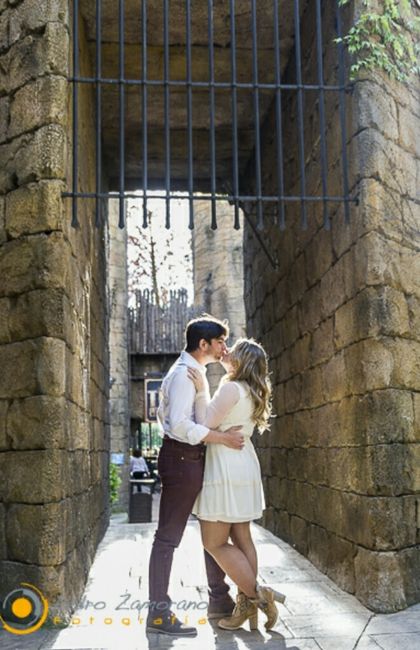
[[244, 610], [265, 602]]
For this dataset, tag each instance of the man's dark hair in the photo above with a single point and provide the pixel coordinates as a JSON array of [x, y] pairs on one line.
[[207, 328]]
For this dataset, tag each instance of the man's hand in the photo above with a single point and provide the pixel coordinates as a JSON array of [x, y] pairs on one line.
[[234, 438]]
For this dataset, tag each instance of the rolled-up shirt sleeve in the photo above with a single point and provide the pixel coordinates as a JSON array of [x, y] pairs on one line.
[[181, 401]]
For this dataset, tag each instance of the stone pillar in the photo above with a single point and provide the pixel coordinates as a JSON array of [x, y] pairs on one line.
[[218, 272], [118, 344], [54, 441], [339, 318]]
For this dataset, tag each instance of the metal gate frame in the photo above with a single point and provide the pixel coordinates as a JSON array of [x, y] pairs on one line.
[[278, 86]]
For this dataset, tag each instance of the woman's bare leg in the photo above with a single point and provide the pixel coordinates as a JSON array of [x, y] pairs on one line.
[[240, 535], [233, 561]]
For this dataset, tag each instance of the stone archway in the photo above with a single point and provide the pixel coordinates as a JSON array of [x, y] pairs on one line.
[[338, 315]]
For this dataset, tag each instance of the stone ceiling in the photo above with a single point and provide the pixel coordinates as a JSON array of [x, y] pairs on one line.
[[178, 95]]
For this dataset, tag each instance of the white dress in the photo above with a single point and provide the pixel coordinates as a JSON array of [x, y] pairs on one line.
[[232, 488]]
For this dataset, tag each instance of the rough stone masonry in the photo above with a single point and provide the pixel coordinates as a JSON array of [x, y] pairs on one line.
[[53, 317], [340, 317]]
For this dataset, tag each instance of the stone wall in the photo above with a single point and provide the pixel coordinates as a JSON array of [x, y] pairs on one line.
[[54, 437], [340, 321], [118, 348]]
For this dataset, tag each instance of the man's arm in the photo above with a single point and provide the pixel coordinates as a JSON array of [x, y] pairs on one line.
[[180, 400], [181, 397]]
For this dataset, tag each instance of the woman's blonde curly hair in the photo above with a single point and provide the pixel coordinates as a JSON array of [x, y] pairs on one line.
[[250, 364]]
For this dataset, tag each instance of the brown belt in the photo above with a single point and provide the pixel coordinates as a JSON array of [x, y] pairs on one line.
[[183, 445]]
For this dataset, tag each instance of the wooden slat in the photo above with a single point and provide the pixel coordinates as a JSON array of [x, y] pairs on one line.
[[154, 328]]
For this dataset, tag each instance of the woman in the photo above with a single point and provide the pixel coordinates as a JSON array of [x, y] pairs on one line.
[[232, 494]]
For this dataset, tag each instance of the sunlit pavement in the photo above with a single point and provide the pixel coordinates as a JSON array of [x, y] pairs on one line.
[[317, 614]]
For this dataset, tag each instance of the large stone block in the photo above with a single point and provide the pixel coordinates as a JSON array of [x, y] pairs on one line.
[[299, 534], [18, 377], [377, 157], [369, 365], [33, 476], [335, 385], [322, 343], [4, 441], [312, 388], [3, 543], [33, 16], [41, 102], [37, 423], [36, 207], [373, 312], [299, 354], [379, 260], [34, 56], [378, 523], [77, 428], [376, 109], [4, 117], [37, 313], [406, 367], [383, 416], [409, 125], [43, 156], [50, 580], [4, 320], [78, 471], [37, 533], [318, 256], [379, 580], [3, 235], [37, 262]]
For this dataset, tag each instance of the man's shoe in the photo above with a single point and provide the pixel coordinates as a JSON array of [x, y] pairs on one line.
[[169, 624], [220, 608]]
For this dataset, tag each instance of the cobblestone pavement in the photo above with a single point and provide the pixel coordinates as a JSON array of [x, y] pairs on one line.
[[317, 614]]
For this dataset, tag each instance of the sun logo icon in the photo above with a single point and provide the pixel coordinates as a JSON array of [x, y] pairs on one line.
[[24, 610]]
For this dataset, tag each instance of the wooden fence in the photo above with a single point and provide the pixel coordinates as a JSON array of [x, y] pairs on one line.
[[155, 329]]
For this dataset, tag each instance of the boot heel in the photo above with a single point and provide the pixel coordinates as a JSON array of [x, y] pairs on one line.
[[279, 597], [253, 621]]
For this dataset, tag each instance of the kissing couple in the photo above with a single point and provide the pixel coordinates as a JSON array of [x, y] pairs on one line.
[[209, 468]]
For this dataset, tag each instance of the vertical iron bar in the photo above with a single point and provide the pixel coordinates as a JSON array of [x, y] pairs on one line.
[[321, 101], [121, 19], [74, 220], [234, 113], [256, 94], [300, 114], [279, 125], [342, 104], [189, 118], [98, 201], [166, 110], [144, 108], [212, 114]]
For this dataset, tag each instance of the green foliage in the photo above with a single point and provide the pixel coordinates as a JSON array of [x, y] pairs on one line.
[[114, 482], [387, 39]]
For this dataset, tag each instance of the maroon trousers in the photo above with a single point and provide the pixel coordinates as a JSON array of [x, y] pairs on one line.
[[181, 468]]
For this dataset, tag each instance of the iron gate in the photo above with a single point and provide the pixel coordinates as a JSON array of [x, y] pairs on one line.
[[167, 29]]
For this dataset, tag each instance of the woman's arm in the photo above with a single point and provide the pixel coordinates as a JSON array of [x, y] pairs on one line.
[[223, 401]]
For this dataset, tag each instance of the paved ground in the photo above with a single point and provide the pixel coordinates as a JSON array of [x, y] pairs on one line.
[[317, 615]]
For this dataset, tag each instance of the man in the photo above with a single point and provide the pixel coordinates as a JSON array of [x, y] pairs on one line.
[[181, 468]]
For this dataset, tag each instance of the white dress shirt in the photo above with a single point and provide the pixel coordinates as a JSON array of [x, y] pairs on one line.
[[138, 464], [179, 400]]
